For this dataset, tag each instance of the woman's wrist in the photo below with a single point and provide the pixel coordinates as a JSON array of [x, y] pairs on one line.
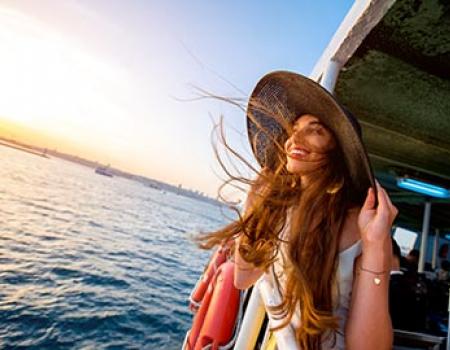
[[377, 256]]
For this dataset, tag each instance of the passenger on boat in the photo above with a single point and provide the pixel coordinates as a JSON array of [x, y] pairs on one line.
[[396, 258], [411, 260], [316, 222], [442, 273], [407, 296]]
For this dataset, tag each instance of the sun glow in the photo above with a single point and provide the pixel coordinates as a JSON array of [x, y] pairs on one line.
[[51, 83]]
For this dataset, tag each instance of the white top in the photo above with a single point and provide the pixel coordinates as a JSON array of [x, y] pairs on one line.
[[341, 291]]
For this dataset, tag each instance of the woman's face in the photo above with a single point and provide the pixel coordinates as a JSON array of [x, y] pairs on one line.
[[307, 147]]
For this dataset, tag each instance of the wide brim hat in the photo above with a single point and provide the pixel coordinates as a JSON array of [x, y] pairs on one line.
[[291, 95]]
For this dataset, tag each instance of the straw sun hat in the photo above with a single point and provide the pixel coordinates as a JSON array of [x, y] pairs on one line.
[[290, 95]]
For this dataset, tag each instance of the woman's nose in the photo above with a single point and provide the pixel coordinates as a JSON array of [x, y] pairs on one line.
[[298, 134]]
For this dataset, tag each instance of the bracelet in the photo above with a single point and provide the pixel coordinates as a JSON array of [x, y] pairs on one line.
[[376, 279], [373, 272]]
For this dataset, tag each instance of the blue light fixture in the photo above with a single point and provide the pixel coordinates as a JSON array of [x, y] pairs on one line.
[[423, 187]]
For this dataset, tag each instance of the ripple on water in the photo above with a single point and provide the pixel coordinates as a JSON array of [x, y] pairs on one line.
[[79, 272]]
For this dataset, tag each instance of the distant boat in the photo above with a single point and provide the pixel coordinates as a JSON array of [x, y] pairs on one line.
[[153, 186], [104, 170]]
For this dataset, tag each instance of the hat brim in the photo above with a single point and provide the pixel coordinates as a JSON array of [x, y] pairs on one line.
[[301, 95]]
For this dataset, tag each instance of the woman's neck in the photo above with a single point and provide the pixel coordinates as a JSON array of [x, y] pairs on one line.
[[305, 181]]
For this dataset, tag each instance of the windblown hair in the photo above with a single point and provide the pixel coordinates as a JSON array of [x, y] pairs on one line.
[[317, 215]]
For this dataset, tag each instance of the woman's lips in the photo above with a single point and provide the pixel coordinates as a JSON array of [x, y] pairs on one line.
[[298, 153]]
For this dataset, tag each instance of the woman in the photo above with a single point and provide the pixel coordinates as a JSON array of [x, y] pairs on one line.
[[315, 218]]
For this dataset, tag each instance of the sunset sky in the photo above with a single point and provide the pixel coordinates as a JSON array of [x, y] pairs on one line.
[[107, 79]]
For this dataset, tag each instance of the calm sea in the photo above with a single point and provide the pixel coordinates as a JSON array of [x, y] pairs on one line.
[[90, 262]]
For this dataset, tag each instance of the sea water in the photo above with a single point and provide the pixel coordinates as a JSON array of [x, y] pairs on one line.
[[91, 262]]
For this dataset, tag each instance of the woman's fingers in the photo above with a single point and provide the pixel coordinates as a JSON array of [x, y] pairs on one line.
[[388, 200], [393, 209], [385, 205], [382, 202], [370, 200]]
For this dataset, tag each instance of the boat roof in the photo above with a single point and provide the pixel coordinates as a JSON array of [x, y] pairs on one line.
[[395, 58]]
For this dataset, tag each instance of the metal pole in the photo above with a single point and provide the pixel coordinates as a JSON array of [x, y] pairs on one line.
[[252, 321], [435, 249], [330, 75], [424, 239]]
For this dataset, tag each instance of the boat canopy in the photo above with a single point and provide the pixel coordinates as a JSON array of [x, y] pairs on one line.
[[394, 75]]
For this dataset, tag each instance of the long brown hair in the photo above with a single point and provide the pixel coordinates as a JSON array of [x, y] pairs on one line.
[[318, 212]]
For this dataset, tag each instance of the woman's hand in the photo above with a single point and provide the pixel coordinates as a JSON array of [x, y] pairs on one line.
[[375, 223], [370, 291]]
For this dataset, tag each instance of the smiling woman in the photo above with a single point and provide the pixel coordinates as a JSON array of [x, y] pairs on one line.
[[308, 145], [312, 229]]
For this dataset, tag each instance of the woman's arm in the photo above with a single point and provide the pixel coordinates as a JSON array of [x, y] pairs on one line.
[[245, 274], [369, 324]]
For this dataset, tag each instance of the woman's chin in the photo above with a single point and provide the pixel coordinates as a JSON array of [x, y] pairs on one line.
[[300, 169], [296, 170]]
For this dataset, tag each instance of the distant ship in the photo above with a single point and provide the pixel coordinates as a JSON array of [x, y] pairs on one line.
[[104, 170]]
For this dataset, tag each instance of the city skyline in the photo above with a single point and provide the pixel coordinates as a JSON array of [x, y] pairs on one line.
[[8, 139]]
